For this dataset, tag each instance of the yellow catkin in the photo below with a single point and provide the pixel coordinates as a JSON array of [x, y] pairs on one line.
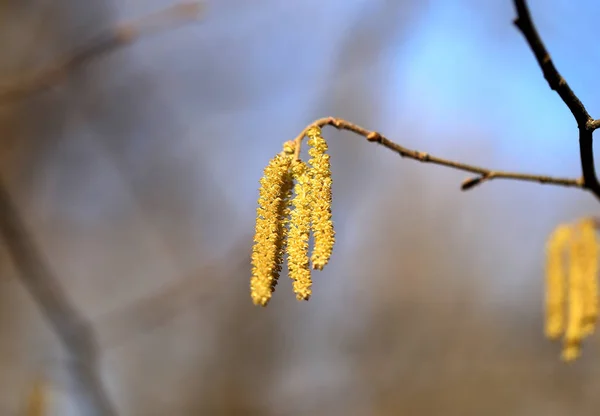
[[574, 332], [589, 267], [299, 231], [270, 230], [283, 224], [556, 281], [37, 399], [320, 184]]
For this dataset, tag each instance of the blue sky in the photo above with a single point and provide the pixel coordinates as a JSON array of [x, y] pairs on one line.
[[459, 74]]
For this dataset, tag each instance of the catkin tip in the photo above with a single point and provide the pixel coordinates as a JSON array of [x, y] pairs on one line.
[[571, 353], [38, 399]]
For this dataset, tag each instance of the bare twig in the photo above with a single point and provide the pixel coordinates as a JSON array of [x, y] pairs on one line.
[[121, 35], [585, 123], [483, 174], [70, 326]]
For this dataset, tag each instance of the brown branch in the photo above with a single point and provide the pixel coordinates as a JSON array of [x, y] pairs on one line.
[[585, 123], [121, 35], [482, 174], [70, 326]]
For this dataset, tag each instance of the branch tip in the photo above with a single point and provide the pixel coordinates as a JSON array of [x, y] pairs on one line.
[[471, 182]]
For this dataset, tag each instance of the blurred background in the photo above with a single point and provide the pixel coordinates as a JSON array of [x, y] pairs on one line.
[[137, 177]]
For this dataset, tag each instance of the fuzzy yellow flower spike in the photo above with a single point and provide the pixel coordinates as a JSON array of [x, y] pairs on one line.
[[320, 185], [556, 275], [571, 287], [284, 225], [574, 332], [589, 270], [297, 245], [37, 403], [271, 228]]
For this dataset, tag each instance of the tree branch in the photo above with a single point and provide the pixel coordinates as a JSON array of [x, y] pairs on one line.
[[70, 326], [482, 174], [585, 123], [118, 326], [121, 35]]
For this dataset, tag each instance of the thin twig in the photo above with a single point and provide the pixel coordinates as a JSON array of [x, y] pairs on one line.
[[585, 123], [69, 325], [120, 35], [483, 174]]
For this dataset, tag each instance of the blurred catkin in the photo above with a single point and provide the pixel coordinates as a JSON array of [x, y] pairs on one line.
[[574, 330], [589, 267], [572, 286], [270, 231], [556, 276], [37, 399], [297, 245], [320, 185]]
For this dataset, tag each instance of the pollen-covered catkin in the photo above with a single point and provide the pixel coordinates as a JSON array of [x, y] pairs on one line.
[[38, 398], [299, 231], [574, 331], [320, 185], [589, 270], [284, 208], [270, 230], [556, 277]]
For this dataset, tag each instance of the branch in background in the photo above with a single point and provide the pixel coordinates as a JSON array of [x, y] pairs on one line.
[[121, 35], [585, 123], [69, 325], [142, 316], [482, 174]]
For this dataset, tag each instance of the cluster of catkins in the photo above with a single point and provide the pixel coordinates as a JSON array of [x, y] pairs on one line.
[[571, 285], [294, 200]]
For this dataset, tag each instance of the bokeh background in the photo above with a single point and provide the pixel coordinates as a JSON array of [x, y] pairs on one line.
[[138, 178]]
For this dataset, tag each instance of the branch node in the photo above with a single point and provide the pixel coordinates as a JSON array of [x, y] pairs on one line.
[[472, 182], [423, 156], [592, 125], [546, 59], [335, 122], [374, 137]]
